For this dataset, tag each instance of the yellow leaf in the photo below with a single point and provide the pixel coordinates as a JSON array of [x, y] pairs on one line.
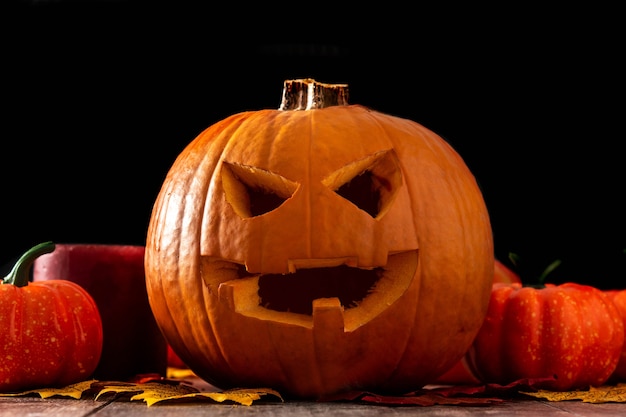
[[73, 391], [150, 392], [603, 394], [155, 392], [240, 396], [179, 373]]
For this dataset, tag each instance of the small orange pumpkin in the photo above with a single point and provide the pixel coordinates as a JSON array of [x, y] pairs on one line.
[[319, 248], [571, 332]]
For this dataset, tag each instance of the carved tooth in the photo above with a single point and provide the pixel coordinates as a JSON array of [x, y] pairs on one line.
[[328, 315]]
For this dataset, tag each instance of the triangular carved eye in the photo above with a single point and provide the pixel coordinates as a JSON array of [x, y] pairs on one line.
[[253, 191], [369, 183]]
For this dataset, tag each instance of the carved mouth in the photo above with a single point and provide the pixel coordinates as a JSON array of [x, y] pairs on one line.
[[359, 294], [296, 292]]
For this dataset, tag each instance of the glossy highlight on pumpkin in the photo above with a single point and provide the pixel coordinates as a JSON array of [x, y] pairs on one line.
[[317, 251]]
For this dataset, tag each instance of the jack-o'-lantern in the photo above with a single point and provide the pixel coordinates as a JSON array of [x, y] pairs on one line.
[[319, 248]]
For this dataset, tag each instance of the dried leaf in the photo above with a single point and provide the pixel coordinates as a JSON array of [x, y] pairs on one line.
[[449, 395], [603, 394], [73, 391], [241, 396], [155, 392], [145, 391], [180, 373], [493, 389], [428, 399], [152, 391]]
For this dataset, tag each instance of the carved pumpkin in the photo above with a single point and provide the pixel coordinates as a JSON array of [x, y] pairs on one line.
[[319, 248]]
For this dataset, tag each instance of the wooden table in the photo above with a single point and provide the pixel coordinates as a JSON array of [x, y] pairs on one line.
[[34, 406]]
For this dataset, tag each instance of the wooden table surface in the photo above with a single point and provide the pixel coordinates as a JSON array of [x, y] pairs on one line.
[[63, 407]]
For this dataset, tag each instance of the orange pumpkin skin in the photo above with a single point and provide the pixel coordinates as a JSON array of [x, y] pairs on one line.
[[619, 299], [570, 331], [460, 373], [429, 241]]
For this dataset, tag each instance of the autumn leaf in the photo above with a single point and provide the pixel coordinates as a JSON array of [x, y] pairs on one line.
[[151, 392], [428, 399], [155, 392], [603, 394], [153, 389], [143, 391], [241, 396], [180, 373], [469, 395], [75, 391]]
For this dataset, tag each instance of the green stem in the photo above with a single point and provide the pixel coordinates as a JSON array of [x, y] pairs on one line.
[[541, 281], [548, 270], [19, 275]]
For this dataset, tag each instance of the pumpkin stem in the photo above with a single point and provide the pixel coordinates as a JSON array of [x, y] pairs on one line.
[[548, 270], [308, 94], [541, 281], [19, 275]]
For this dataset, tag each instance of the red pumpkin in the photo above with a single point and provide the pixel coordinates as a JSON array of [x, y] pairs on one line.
[[570, 331], [50, 332], [504, 275], [319, 248], [619, 299]]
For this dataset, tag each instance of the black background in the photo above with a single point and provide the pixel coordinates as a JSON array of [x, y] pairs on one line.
[[99, 97]]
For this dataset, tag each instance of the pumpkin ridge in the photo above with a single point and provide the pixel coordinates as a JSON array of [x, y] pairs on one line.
[[308, 215], [197, 291], [66, 363], [405, 356]]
